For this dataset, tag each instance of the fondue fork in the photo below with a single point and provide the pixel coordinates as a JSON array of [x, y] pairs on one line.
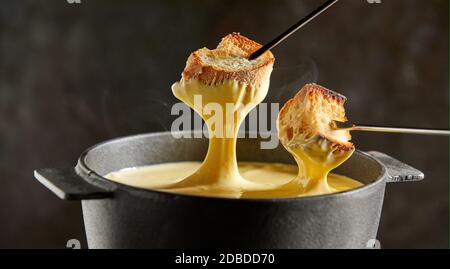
[[292, 29], [339, 125]]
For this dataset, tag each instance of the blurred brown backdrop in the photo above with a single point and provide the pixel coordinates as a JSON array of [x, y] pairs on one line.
[[74, 75]]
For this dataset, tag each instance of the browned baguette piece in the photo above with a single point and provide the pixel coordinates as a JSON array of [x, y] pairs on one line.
[[311, 113], [229, 61]]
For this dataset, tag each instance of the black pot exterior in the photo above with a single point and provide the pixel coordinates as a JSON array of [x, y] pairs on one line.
[[120, 216], [166, 221]]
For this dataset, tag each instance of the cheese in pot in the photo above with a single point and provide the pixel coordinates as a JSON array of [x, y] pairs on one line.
[[275, 174]]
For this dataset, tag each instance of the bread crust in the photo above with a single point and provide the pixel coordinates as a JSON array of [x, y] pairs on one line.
[[314, 95], [233, 46]]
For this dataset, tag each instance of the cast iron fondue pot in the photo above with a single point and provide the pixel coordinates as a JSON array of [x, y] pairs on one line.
[[120, 216]]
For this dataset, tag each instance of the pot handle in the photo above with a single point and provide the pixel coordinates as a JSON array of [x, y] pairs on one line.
[[68, 185], [396, 170]]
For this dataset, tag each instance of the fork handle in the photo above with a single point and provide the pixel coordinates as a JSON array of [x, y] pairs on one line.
[[368, 128]]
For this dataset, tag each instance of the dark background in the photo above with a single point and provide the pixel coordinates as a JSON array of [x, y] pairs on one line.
[[74, 75]]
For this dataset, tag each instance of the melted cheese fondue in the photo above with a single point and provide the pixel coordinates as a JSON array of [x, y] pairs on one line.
[[275, 174], [223, 107]]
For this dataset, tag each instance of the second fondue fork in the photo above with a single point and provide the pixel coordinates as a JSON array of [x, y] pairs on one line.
[[338, 125]]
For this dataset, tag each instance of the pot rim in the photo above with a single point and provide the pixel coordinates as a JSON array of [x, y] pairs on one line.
[[93, 178]]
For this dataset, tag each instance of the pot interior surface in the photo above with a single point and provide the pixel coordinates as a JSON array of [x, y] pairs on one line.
[[155, 148]]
